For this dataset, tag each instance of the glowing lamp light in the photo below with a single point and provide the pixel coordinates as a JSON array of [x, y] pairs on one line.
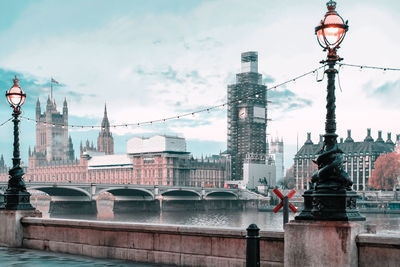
[[15, 96], [332, 29]]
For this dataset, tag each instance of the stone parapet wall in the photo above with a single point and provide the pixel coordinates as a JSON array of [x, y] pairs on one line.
[[151, 243], [378, 250]]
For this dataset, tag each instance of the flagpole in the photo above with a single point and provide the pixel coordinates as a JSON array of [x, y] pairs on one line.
[[51, 89]]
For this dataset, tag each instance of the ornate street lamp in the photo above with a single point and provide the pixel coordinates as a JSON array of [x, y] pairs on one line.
[[16, 197], [331, 197]]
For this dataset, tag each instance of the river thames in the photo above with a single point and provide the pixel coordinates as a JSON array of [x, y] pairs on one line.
[[267, 221]]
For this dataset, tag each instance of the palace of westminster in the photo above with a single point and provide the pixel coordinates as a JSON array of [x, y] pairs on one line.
[[163, 159]]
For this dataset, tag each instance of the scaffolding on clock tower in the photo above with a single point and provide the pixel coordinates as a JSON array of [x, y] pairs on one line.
[[247, 116]]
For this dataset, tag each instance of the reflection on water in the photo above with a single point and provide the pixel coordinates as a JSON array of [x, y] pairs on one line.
[[268, 221], [388, 223], [33, 258]]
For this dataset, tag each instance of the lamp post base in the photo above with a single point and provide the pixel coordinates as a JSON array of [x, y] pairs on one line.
[[330, 205], [305, 214], [17, 201], [335, 205]]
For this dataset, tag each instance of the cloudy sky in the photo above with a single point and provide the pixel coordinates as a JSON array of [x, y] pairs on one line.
[[150, 60]]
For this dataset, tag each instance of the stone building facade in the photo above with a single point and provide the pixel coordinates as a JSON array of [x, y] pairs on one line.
[[168, 168], [158, 160], [247, 116], [360, 158], [276, 152], [52, 142], [163, 160], [105, 141]]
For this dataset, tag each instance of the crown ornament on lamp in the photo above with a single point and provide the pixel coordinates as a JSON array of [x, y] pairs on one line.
[[16, 96], [332, 29]]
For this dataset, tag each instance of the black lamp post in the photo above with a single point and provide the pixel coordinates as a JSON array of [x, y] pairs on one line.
[[331, 197], [16, 197]]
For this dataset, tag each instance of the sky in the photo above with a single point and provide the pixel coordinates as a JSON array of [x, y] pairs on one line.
[[151, 60]]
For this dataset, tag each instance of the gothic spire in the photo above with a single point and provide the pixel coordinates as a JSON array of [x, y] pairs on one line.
[[105, 141], [105, 124], [38, 108], [65, 107], [105, 110]]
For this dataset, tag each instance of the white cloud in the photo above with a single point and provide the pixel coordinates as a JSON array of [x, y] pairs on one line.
[[157, 65]]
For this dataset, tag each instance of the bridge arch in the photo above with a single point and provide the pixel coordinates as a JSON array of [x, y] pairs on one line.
[[221, 195], [122, 194], [64, 193], [181, 194]]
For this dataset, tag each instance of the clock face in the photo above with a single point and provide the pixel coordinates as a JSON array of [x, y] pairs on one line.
[[242, 113]]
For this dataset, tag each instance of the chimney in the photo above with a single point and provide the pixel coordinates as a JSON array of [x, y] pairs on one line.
[[348, 139], [341, 140], [389, 139], [379, 139], [308, 141], [368, 138]]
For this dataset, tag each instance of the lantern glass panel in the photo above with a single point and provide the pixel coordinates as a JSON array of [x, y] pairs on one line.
[[15, 96], [333, 35]]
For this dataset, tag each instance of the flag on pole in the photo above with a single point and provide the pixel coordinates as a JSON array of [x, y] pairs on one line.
[[54, 81]]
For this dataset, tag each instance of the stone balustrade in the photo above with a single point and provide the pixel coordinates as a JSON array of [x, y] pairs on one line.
[[151, 243], [186, 245], [378, 249]]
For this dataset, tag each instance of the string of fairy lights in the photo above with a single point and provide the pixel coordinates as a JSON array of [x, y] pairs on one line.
[[361, 67], [255, 94], [5, 122], [210, 108]]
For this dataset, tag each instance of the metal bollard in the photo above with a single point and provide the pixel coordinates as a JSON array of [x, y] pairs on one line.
[[253, 246], [285, 210]]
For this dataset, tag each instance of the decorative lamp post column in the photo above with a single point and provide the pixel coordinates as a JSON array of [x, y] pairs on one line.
[[16, 197], [331, 197]]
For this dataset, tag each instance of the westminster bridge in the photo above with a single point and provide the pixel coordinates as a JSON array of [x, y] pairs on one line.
[[71, 197], [126, 192]]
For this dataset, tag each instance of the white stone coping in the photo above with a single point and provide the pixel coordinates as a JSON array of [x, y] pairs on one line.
[[379, 240], [148, 227]]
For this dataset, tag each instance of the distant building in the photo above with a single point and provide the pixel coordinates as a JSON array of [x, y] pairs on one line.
[[53, 157], [360, 158], [157, 160], [52, 142], [397, 144], [255, 174], [163, 160], [109, 169], [276, 151], [156, 143], [105, 141], [247, 117], [3, 167]]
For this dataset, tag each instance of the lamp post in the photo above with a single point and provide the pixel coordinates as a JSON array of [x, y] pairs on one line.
[[16, 197], [331, 197]]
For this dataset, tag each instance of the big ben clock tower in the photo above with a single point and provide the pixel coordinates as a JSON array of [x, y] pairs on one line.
[[247, 116]]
